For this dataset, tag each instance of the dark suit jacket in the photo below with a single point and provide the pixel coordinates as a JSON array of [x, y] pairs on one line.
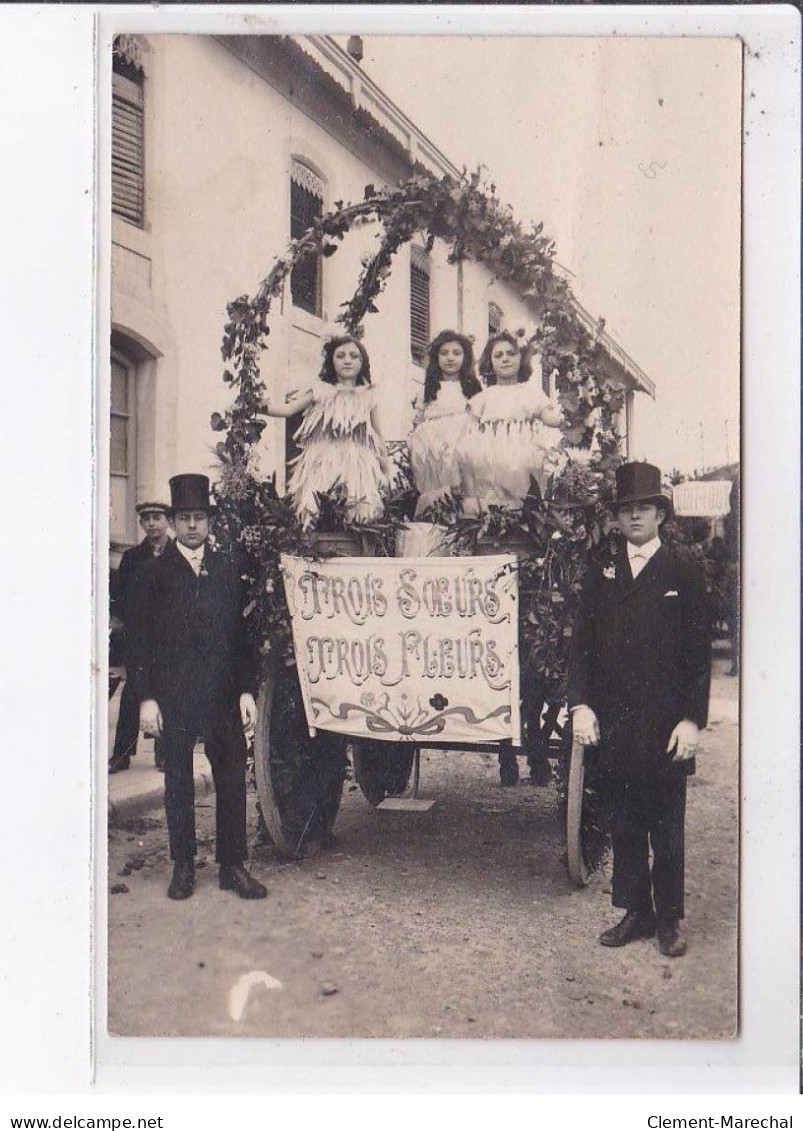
[[641, 659], [188, 646], [131, 563]]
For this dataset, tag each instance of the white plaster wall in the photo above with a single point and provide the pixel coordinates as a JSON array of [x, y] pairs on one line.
[[219, 143]]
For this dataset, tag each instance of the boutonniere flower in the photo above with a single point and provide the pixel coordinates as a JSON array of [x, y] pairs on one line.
[[609, 573]]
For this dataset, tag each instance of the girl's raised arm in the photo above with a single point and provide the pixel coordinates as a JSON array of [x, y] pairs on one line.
[[295, 404]]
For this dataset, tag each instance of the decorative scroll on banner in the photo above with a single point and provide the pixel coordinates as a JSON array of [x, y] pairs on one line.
[[408, 649]]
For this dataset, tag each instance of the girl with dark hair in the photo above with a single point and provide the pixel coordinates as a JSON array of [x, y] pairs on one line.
[[449, 383], [506, 443], [506, 359], [341, 444]]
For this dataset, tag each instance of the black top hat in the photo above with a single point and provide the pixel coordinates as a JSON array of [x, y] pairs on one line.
[[640, 483], [190, 493]]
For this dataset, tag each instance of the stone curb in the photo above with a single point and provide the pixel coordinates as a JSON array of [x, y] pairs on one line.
[[140, 803]]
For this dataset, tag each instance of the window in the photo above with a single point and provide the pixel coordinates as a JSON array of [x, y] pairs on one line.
[[306, 205], [122, 463], [546, 382], [419, 304], [496, 317], [128, 134]]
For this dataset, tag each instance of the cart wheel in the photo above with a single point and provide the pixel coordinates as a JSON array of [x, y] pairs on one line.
[[299, 778], [381, 769], [579, 871]]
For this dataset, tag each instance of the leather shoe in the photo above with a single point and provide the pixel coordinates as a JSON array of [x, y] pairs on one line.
[[234, 877], [508, 769], [182, 884], [635, 925], [669, 942], [540, 772], [118, 764]]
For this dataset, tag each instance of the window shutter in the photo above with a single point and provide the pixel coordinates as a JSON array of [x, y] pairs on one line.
[[120, 397], [419, 304], [306, 205], [128, 150]]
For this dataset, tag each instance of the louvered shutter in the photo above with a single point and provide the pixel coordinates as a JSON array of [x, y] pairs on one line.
[[419, 304], [128, 150], [306, 205]]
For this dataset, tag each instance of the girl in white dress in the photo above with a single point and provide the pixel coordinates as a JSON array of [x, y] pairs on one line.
[[506, 443], [342, 446], [449, 383]]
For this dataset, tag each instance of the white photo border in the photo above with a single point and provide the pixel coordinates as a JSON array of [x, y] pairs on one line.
[[64, 774]]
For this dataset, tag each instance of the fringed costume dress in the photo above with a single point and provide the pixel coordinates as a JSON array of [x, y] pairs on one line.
[[433, 443], [340, 449], [503, 446]]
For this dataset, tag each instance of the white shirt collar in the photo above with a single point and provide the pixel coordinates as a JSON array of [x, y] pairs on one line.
[[191, 555], [646, 551]]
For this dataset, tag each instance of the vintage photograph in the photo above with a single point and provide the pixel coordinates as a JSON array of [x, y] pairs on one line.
[[424, 534]]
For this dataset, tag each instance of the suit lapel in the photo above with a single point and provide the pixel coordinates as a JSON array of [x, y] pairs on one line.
[[651, 572], [624, 575], [178, 561]]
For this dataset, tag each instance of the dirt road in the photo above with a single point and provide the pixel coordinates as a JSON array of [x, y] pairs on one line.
[[456, 923]]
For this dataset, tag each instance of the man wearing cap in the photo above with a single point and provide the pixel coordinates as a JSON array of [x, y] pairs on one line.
[[194, 675], [154, 522], [639, 680]]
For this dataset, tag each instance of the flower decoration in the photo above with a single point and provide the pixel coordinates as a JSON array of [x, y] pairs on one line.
[[438, 702], [609, 573]]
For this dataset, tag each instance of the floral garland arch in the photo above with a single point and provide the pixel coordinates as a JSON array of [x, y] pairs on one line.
[[471, 220], [468, 216]]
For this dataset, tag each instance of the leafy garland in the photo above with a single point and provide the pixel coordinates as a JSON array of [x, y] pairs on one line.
[[471, 220], [561, 533], [469, 217]]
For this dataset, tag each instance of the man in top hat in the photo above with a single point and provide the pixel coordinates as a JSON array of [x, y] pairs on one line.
[[639, 680], [154, 522], [194, 675]]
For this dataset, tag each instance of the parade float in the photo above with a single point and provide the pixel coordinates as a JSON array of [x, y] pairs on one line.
[[369, 654]]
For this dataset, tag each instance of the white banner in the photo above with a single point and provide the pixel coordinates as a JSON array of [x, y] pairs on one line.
[[408, 649], [702, 498]]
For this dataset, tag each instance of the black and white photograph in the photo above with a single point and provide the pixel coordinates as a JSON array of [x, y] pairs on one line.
[[401, 622], [424, 533]]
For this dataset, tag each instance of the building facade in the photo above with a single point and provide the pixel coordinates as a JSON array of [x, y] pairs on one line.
[[223, 149]]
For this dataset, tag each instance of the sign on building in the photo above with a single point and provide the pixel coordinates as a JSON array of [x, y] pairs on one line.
[[408, 649], [702, 499]]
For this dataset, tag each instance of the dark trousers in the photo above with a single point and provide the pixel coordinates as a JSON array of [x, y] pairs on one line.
[[648, 813], [225, 747], [126, 733]]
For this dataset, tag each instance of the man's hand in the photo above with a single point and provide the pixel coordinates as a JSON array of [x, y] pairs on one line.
[[585, 726], [686, 736], [248, 713], [150, 717]]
